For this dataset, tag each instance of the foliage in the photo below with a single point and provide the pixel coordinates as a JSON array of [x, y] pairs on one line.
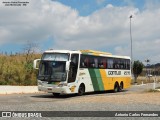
[[137, 69], [16, 70]]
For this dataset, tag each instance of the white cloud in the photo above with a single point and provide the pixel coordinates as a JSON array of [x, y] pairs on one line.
[[99, 2], [129, 2], [103, 29], [152, 4]]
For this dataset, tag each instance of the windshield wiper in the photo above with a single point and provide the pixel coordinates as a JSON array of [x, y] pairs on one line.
[[43, 78]]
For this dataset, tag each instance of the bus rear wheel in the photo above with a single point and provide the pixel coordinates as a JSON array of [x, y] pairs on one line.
[[81, 90], [120, 87], [116, 87]]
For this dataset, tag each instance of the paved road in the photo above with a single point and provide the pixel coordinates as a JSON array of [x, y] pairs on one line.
[[134, 99]]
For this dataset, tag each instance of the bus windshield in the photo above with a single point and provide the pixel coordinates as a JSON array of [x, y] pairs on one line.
[[52, 71]]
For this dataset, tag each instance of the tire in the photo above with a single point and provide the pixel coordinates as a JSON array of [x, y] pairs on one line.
[[56, 94], [116, 87], [81, 90], [120, 87]]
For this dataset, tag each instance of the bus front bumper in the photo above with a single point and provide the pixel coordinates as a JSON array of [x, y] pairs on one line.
[[53, 89]]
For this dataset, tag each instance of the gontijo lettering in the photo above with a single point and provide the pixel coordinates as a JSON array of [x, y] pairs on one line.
[[114, 72]]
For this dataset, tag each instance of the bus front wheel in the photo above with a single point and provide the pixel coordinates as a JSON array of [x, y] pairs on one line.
[[56, 94], [81, 90]]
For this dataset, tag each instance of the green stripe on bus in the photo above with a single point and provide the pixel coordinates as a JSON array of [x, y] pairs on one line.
[[99, 79], [96, 79]]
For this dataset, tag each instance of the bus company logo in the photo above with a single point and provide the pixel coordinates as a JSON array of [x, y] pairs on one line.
[[6, 114], [80, 74], [114, 72]]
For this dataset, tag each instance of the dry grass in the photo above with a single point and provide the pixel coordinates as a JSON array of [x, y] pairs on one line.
[[144, 80], [17, 69]]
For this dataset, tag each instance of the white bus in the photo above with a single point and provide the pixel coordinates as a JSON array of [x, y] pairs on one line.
[[69, 71]]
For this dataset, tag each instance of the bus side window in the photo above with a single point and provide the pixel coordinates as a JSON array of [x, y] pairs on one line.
[[128, 64], [105, 63], [91, 62], [110, 63], [102, 63], [122, 64], [96, 62], [115, 64], [84, 61]]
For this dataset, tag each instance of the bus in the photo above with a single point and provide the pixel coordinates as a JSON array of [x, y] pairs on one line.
[[81, 71]]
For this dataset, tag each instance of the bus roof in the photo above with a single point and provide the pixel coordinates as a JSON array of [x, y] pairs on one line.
[[100, 53], [61, 51], [87, 52], [94, 52]]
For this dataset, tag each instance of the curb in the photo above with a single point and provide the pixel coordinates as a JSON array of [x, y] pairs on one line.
[[18, 89]]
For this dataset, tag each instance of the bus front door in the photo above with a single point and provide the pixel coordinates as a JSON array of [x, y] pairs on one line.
[[73, 68]]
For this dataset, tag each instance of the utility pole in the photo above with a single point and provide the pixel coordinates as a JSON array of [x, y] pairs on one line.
[[131, 44]]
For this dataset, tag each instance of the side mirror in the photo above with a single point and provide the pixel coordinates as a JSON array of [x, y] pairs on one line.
[[35, 63], [67, 65]]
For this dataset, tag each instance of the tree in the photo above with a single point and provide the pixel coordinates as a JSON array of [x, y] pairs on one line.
[[137, 69], [30, 50]]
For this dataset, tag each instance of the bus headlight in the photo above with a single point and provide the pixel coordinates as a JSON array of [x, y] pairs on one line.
[[39, 83], [62, 84]]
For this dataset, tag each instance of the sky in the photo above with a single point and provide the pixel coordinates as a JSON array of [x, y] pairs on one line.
[[102, 25]]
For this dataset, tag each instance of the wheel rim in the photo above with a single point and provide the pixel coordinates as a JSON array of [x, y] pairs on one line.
[[116, 88], [81, 90], [120, 87]]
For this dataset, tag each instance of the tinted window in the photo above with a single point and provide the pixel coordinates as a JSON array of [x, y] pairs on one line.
[[88, 61]]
